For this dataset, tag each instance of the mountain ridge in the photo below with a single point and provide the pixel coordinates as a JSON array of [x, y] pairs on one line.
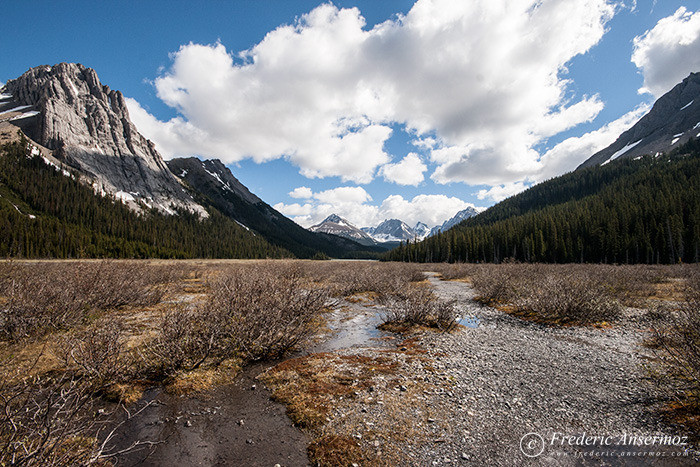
[[454, 220], [673, 120], [336, 225]]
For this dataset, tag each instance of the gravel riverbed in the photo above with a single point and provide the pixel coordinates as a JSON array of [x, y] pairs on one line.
[[511, 392]]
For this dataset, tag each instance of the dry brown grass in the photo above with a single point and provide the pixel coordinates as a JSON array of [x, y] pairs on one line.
[[201, 380], [337, 450], [310, 386], [358, 408]]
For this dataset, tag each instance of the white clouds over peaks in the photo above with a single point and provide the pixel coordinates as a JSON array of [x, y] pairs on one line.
[[668, 52], [353, 204], [500, 192], [481, 77]]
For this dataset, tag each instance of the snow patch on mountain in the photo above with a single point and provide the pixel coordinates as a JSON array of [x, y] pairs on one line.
[[622, 151]]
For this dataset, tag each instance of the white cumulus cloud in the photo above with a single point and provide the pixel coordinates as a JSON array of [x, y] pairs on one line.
[[343, 195], [301, 192], [570, 153], [409, 171], [430, 209], [480, 81], [668, 52], [294, 209], [500, 192]]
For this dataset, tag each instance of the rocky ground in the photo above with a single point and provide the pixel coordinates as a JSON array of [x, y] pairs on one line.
[[472, 396]]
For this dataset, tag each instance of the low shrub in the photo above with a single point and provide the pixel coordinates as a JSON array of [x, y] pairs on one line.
[[557, 294], [344, 278], [252, 312], [677, 334], [97, 351], [563, 298], [36, 298], [417, 306]]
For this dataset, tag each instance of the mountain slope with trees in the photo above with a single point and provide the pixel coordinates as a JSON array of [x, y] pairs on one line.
[[46, 214], [628, 211], [214, 186]]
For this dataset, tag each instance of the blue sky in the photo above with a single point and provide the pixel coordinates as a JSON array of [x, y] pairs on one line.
[[372, 109]]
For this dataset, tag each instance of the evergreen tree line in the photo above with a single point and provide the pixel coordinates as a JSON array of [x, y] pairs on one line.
[[628, 211], [44, 214]]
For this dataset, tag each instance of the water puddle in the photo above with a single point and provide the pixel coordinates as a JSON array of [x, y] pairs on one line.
[[352, 325]]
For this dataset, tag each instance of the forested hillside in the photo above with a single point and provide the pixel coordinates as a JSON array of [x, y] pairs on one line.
[[628, 211], [45, 214]]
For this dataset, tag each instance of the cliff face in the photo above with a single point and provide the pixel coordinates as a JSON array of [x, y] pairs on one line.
[[87, 126]]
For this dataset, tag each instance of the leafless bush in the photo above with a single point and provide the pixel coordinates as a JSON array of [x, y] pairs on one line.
[[97, 352], [418, 306], [265, 311], [351, 277], [58, 420], [112, 284], [47, 421], [39, 297], [57, 416], [554, 293], [187, 337], [677, 334], [501, 283], [570, 298], [253, 312]]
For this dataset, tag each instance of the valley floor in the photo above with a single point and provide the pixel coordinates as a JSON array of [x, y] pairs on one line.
[[492, 394], [502, 390]]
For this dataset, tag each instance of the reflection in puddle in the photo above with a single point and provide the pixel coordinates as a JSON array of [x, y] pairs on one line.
[[352, 325]]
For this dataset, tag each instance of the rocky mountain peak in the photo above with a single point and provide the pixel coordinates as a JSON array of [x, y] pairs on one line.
[[672, 121], [335, 218], [87, 126], [393, 230], [336, 225], [456, 219]]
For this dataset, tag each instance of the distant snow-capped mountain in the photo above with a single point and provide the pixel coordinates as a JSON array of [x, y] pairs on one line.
[[336, 225], [395, 230], [392, 230], [422, 230], [459, 217], [389, 231]]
